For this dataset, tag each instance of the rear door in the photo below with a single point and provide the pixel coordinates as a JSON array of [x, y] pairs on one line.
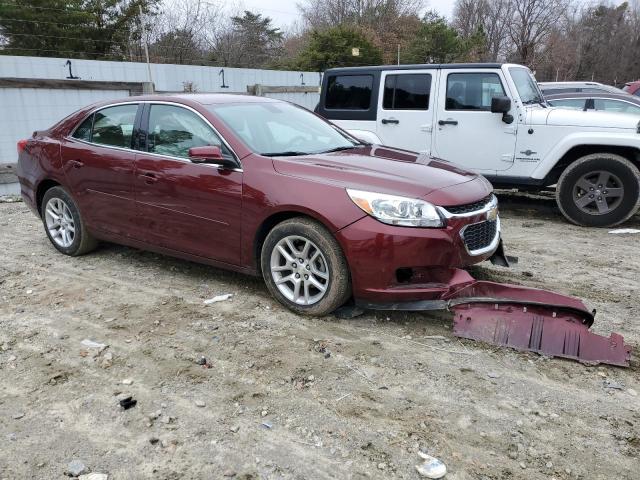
[[98, 164], [405, 111], [188, 207], [466, 132]]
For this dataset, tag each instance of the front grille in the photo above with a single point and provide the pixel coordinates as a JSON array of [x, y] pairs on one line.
[[480, 235], [469, 207]]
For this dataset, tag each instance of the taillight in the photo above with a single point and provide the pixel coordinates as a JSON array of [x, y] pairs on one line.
[[22, 144]]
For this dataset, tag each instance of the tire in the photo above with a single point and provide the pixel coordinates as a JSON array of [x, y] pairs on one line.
[[302, 235], [57, 202], [584, 200]]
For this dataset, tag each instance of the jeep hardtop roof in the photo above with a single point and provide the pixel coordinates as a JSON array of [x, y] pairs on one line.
[[420, 66]]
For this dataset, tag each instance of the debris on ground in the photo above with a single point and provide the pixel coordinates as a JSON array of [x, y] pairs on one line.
[[623, 231], [75, 468], [127, 403], [94, 476], [219, 298], [431, 467], [99, 347]]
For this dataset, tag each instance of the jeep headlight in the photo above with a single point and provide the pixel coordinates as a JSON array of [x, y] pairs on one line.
[[394, 210]]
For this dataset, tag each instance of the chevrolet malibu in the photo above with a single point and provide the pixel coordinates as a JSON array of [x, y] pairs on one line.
[[263, 187]]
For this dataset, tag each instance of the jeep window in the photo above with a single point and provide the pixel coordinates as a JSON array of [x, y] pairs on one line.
[[526, 86], [472, 91], [349, 92], [407, 92]]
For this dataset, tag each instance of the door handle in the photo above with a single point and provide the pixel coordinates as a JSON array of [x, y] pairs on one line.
[[390, 120], [77, 164], [149, 177], [447, 122]]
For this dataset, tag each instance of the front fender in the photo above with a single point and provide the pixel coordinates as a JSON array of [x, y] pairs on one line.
[[579, 139]]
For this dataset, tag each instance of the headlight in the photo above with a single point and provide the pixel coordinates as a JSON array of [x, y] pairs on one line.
[[402, 211]]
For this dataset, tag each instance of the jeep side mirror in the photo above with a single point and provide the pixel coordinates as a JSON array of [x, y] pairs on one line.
[[502, 105]]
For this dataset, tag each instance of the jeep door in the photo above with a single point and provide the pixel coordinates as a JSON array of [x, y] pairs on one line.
[[405, 110], [465, 130]]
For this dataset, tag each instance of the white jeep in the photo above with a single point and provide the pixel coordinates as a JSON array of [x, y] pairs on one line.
[[492, 118]]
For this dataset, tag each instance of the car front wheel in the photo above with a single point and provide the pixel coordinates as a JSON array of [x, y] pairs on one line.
[[63, 223], [304, 267], [599, 190]]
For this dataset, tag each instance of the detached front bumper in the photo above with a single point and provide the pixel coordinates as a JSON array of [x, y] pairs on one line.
[[402, 264]]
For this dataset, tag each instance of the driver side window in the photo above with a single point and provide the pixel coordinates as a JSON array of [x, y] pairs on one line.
[[472, 91], [174, 130]]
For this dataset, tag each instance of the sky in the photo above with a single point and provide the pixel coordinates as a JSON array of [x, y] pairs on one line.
[[284, 12]]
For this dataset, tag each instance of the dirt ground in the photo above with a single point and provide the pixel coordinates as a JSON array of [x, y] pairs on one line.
[[273, 404]]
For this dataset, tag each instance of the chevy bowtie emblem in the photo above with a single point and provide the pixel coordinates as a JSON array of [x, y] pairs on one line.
[[528, 152], [492, 214]]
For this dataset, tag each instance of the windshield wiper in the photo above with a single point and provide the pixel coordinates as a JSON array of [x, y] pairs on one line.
[[339, 149], [284, 154]]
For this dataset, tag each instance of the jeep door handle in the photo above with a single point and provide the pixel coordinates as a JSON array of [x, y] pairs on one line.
[[77, 164], [390, 120], [447, 122]]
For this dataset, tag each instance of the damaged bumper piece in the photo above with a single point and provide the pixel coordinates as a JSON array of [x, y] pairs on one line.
[[522, 318]]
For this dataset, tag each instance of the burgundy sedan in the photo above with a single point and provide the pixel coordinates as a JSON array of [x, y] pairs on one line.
[[263, 187]]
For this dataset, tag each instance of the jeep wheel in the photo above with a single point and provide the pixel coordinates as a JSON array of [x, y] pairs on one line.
[[599, 190], [304, 267]]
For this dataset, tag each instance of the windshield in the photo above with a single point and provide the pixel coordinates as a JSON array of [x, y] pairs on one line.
[[526, 86], [273, 129]]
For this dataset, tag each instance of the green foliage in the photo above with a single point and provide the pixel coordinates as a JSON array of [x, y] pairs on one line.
[[333, 48], [257, 40], [437, 42], [78, 28]]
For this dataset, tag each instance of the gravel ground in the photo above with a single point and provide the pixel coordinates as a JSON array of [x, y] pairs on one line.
[[282, 396]]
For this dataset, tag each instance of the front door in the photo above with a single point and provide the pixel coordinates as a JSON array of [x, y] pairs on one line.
[[466, 132], [98, 162], [188, 207], [405, 110]]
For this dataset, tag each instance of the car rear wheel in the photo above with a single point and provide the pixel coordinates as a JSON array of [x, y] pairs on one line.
[[304, 267], [599, 190], [64, 225]]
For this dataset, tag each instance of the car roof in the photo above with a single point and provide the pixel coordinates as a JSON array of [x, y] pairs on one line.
[[607, 96], [207, 98], [419, 66], [569, 84]]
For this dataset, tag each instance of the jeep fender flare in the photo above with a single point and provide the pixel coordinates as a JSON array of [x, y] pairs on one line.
[[584, 139]]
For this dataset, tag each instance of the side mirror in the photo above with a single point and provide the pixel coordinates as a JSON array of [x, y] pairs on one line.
[[500, 105], [207, 154]]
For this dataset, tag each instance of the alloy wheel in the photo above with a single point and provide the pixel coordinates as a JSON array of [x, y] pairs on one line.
[[60, 223], [598, 192], [299, 270]]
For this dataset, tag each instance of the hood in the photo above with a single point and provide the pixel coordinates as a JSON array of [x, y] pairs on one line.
[[565, 117], [376, 169]]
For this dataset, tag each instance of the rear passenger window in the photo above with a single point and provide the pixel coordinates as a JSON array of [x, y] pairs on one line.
[[83, 132], [349, 92], [472, 91], [113, 126], [407, 92]]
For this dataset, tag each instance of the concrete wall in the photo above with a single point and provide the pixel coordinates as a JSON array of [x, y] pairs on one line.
[[23, 110]]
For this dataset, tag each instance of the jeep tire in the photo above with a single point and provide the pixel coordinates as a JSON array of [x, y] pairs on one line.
[[599, 190]]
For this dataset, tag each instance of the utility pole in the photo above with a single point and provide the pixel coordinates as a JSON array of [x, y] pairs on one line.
[[398, 54], [146, 49]]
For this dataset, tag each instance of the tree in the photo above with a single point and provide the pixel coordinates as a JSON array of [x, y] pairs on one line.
[[531, 24], [333, 47], [250, 42], [488, 18], [79, 28], [436, 42], [387, 23]]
